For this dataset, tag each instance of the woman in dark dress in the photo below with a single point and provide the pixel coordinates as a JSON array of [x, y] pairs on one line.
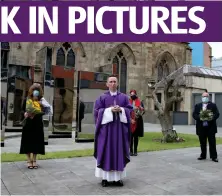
[[32, 141]]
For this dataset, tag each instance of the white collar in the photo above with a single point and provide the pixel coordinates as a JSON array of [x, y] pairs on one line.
[[113, 93]]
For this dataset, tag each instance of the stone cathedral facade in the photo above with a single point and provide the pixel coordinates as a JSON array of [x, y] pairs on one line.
[[138, 63]]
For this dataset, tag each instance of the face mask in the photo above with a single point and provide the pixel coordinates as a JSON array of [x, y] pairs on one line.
[[133, 97], [35, 93], [205, 99]]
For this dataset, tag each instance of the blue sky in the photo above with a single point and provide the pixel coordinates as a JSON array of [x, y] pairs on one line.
[[216, 49]]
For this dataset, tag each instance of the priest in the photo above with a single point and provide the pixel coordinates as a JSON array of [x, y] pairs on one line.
[[112, 135]]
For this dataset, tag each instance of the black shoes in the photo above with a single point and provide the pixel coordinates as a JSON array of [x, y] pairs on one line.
[[215, 160], [119, 183], [105, 183], [201, 158], [133, 154]]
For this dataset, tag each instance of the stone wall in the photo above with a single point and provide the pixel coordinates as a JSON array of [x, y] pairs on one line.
[[142, 58]]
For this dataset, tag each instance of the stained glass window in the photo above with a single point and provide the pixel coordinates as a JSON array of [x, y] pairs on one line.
[[115, 60], [60, 58], [123, 76], [70, 59], [163, 70], [120, 65], [116, 65]]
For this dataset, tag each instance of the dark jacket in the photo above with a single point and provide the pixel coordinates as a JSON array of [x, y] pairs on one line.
[[81, 110], [140, 127], [212, 124], [3, 108]]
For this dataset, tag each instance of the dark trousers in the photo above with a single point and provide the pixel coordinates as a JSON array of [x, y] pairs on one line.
[[203, 136], [80, 125], [134, 142], [1, 120]]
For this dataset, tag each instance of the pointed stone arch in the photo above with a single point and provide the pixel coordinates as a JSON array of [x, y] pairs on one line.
[[126, 50], [165, 64], [74, 46], [72, 50], [121, 58]]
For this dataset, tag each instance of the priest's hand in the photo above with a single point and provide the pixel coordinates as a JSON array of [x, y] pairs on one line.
[[118, 108], [114, 109]]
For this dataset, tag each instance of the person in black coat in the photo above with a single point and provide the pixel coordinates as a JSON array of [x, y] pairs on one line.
[[206, 130], [80, 114]]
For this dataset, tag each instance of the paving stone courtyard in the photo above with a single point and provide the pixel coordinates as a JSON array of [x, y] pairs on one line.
[[171, 172]]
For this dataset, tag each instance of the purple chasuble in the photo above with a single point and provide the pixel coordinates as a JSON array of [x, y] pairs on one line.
[[112, 140]]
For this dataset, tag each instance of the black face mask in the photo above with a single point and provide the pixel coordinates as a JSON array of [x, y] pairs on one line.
[[133, 97]]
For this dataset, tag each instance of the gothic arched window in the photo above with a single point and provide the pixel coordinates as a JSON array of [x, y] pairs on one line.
[[70, 59], [115, 60], [115, 65], [163, 70], [120, 68], [165, 65], [123, 75], [66, 56], [160, 72], [5, 47], [60, 57]]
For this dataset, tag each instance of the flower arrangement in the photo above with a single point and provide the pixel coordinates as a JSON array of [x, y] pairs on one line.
[[32, 109], [138, 112], [206, 115]]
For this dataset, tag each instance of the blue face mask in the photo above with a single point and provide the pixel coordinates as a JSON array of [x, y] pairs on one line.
[[205, 99], [35, 93]]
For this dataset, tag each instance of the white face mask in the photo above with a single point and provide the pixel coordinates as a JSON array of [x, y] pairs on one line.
[[205, 99]]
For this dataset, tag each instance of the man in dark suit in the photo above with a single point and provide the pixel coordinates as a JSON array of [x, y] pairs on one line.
[[206, 130], [81, 112]]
